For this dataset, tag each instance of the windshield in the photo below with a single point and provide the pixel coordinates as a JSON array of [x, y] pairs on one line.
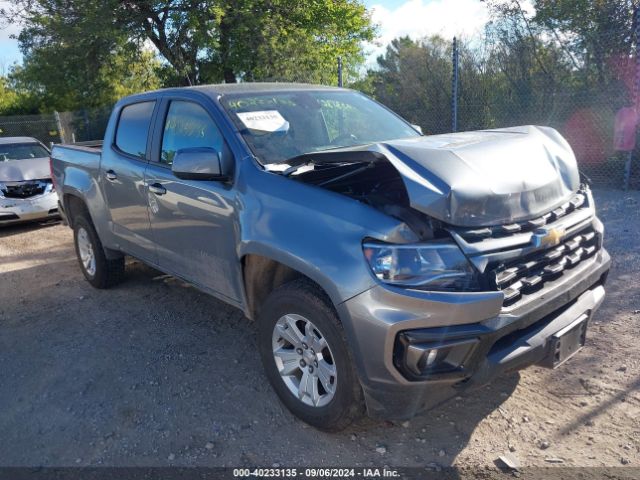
[[282, 125], [21, 151]]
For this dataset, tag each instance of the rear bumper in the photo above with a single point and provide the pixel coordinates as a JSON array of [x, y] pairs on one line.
[[503, 339], [15, 210]]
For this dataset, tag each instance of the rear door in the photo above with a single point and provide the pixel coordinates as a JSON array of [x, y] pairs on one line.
[[122, 170], [193, 221]]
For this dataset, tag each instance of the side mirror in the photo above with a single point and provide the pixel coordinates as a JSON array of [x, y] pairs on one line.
[[201, 163], [417, 128]]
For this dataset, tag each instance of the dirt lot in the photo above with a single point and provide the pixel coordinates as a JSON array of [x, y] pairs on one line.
[[156, 373]]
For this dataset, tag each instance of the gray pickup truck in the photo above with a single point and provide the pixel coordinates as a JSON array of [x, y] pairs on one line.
[[386, 271]]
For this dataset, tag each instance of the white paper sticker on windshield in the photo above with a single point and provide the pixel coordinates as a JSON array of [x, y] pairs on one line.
[[264, 121]]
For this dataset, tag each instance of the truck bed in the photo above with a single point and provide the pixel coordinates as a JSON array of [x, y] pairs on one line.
[[94, 144], [71, 159]]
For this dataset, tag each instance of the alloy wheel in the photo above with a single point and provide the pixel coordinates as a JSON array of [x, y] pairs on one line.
[[304, 360]]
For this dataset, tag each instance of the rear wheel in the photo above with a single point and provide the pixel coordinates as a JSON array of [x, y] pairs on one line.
[[99, 271], [305, 355]]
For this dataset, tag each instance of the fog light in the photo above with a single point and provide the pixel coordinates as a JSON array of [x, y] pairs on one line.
[[419, 359]]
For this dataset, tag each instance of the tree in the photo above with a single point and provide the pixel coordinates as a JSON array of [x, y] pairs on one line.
[[8, 97], [201, 41], [75, 56], [414, 79], [530, 72], [213, 40], [595, 32]]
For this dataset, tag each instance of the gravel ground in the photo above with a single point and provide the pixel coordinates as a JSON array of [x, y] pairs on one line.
[[155, 373]]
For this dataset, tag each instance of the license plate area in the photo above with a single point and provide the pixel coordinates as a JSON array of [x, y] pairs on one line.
[[568, 341]]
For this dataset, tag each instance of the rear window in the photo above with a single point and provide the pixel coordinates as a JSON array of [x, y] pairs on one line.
[[22, 151], [133, 128]]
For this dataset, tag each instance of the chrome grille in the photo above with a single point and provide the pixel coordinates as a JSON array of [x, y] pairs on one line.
[[24, 189], [527, 274], [577, 201]]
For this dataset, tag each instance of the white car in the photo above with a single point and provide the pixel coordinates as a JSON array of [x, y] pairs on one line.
[[26, 190]]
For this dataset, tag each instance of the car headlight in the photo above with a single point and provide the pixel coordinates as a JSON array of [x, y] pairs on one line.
[[437, 265]]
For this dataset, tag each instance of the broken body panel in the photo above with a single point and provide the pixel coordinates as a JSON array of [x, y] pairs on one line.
[[26, 189], [468, 179]]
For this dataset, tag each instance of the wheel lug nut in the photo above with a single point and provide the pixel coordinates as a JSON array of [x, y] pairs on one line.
[[303, 363], [315, 363], [305, 346], [310, 369], [299, 351]]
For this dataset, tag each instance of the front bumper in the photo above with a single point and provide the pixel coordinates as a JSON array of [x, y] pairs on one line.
[[15, 210], [512, 339]]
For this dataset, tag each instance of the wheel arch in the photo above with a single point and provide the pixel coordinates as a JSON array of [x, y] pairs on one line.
[[74, 204], [262, 274]]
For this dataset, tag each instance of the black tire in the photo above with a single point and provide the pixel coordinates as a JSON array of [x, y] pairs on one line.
[[304, 298], [108, 272]]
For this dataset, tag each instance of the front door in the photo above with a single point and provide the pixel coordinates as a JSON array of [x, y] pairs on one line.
[[192, 220]]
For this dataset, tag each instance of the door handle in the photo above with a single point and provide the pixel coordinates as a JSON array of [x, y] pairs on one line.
[[111, 175], [157, 189]]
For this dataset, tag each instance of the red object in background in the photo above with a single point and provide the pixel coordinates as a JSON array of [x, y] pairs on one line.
[[585, 134], [624, 132]]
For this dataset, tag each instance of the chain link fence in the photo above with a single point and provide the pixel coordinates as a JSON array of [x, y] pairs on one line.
[[58, 127], [497, 80]]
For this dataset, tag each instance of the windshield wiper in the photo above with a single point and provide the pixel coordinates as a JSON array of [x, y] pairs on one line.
[[348, 174], [331, 157]]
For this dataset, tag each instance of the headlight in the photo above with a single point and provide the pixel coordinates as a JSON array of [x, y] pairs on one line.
[[437, 265]]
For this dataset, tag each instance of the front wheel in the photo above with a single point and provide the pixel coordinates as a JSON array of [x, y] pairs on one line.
[[305, 355]]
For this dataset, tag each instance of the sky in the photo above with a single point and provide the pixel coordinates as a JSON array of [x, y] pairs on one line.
[[420, 18], [9, 52], [416, 18]]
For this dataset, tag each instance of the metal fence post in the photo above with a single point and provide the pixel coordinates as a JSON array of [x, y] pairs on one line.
[[636, 91], [340, 71], [56, 116], [87, 125], [454, 87]]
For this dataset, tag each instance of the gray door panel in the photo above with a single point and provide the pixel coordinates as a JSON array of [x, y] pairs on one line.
[[193, 221], [126, 197], [193, 229]]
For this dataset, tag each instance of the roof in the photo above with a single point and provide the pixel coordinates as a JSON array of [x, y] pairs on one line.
[[10, 140], [252, 87]]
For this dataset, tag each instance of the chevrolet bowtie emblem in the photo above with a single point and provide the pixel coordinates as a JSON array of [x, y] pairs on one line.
[[547, 237]]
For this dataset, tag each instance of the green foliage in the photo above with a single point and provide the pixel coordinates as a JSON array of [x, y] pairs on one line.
[[86, 53], [414, 78], [75, 57], [595, 32], [209, 41], [304, 39], [573, 55], [8, 97]]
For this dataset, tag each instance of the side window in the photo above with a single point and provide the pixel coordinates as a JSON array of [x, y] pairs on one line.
[[188, 125], [133, 128]]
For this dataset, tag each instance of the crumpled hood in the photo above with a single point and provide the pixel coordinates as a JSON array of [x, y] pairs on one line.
[[484, 178], [25, 169]]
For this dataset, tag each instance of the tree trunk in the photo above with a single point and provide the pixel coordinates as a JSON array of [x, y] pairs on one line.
[[225, 33], [229, 76]]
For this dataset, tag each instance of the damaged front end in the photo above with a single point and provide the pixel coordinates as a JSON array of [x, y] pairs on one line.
[[27, 200], [471, 179], [26, 189], [463, 195]]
